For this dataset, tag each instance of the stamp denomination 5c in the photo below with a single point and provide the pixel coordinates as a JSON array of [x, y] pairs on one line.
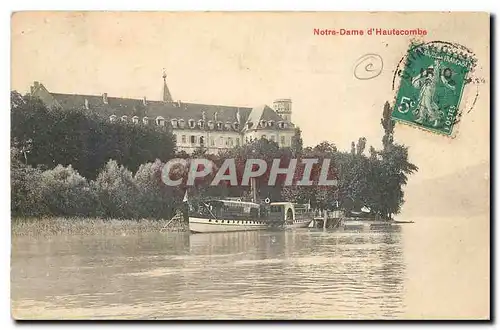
[[431, 87]]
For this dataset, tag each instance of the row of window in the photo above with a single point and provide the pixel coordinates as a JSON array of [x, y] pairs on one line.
[[200, 140], [160, 121], [238, 222], [180, 123], [270, 124], [282, 141], [210, 124], [224, 142]]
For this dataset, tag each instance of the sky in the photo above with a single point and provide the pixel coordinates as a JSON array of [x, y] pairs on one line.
[[249, 59]]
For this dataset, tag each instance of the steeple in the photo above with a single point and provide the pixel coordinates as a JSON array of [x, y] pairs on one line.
[[167, 97]]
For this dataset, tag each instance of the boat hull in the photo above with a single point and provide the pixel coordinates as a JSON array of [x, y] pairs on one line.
[[204, 225]]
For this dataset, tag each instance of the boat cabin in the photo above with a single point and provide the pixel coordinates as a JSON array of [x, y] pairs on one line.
[[229, 209], [289, 212]]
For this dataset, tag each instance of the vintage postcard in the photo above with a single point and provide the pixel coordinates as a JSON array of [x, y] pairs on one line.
[[250, 165]]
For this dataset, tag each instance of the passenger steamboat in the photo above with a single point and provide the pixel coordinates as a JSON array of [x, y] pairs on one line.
[[226, 215]]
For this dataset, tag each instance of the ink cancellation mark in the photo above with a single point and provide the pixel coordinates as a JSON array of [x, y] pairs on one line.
[[368, 66], [431, 86]]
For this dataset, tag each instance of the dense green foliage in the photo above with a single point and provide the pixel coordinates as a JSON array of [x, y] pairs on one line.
[[72, 163], [115, 193], [81, 138]]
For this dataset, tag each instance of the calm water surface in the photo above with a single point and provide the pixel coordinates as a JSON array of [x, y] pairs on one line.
[[430, 269]]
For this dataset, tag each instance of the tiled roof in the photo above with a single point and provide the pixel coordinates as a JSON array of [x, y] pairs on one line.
[[168, 110], [269, 114]]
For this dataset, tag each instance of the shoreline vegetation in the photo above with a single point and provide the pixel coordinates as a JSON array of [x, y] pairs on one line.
[[73, 166], [56, 226]]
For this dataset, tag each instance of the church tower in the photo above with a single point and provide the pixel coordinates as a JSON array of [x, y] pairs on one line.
[[167, 97], [283, 108]]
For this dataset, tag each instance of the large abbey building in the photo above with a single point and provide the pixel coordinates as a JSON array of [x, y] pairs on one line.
[[213, 127]]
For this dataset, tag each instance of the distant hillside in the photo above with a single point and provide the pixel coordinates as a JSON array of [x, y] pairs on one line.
[[464, 193]]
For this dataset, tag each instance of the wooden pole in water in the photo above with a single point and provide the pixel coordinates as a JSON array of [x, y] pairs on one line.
[[185, 207], [325, 218]]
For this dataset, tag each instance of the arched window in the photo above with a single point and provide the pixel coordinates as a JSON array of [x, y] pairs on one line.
[[262, 123], [135, 119], [270, 123], [211, 124], [281, 124], [191, 123], [202, 141], [228, 125], [201, 123], [112, 118], [145, 120], [124, 118], [160, 121], [182, 123], [219, 125], [174, 123], [236, 126]]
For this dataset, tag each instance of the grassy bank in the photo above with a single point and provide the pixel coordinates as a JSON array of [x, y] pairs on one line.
[[50, 226]]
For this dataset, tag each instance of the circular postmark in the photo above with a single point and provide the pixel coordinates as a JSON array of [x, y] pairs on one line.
[[368, 66], [452, 48]]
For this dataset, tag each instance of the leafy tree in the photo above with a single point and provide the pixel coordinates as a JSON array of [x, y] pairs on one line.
[[297, 143], [26, 192], [324, 147], [260, 149], [394, 176], [388, 125], [155, 198], [373, 153], [116, 192], [319, 196], [65, 192], [360, 147]]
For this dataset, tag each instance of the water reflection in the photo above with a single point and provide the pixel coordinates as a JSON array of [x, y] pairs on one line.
[[282, 274]]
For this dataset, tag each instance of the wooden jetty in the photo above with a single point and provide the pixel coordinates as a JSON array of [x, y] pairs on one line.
[[326, 219], [337, 219]]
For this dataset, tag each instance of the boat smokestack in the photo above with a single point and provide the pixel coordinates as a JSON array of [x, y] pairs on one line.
[[253, 185]]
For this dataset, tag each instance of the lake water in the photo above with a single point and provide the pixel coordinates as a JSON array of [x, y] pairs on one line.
[[433, 268]]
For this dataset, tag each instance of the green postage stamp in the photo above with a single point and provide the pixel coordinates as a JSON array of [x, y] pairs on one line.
[[431, 87]]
